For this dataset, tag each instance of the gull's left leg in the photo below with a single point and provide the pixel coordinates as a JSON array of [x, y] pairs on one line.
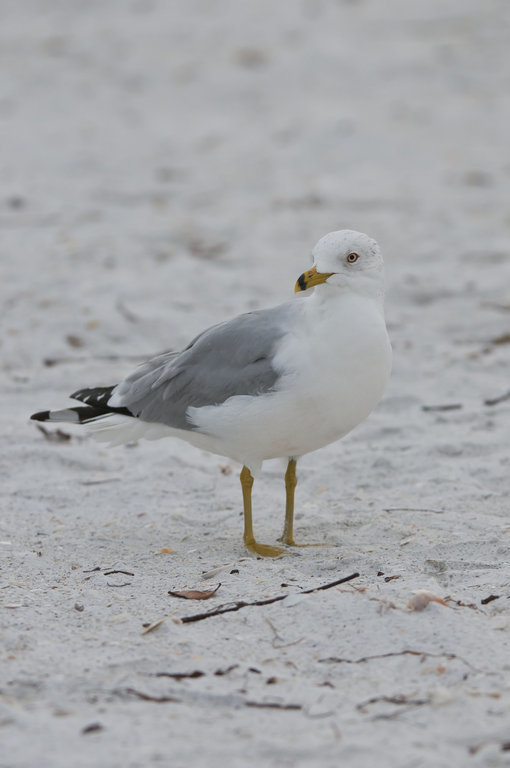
[[290, 487], [288, 528]]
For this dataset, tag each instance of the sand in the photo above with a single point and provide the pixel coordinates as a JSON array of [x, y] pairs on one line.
[[166, 165]]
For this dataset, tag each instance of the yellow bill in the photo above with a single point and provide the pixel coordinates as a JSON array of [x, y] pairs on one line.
[[310, 278]]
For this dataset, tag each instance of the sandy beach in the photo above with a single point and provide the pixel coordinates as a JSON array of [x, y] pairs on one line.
[[165, 166]]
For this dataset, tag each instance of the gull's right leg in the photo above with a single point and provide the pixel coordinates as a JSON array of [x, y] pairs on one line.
[[249, 539], [290, 487]]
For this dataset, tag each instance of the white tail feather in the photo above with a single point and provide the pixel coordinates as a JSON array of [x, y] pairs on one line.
[[117, 429]]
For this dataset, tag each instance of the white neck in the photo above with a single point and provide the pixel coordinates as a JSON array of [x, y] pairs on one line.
[[370, 285]]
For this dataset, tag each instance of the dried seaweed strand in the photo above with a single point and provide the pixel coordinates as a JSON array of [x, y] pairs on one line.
[[147, 697], [400, 699], [451, 656], [446, 407], [245, 604], [272, 705], [497, 400], [126, 573]]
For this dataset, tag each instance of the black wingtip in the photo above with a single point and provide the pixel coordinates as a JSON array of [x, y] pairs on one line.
[[40, 416]]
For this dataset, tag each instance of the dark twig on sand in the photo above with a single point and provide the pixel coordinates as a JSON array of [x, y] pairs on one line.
[[496, 400], [126, 573], [407, 652], [244, 604], [489, 599], [399, 699], [148, 697], [447, 407], [272, 705], [181, 675]]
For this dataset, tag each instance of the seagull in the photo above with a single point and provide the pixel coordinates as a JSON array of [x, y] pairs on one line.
[[273, 383]]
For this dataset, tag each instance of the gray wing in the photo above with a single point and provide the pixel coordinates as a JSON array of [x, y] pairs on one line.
[[232, 358]]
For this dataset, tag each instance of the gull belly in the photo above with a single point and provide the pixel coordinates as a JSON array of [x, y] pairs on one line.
[[333, 365]]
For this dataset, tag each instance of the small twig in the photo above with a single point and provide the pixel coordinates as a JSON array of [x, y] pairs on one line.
[[272, 705], [225, 670], [125, 584], [503, 339], [92, 728], [496, 400], [244, 604], [328, 586], [400, 699], [148, 697], [126, 573], [424, 654], [181, 675], [447, 407], [489, 599], [460, 603]]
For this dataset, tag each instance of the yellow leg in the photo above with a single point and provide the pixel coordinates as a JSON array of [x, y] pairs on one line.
[[288, 527], [290, 487], [249, 539]]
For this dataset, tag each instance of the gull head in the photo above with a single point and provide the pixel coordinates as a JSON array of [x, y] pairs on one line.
[[344, 259]]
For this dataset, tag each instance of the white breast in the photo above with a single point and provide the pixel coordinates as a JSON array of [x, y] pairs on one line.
[[334, 365]]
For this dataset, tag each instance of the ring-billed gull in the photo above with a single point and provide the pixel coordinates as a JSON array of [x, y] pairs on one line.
[[273, 383]]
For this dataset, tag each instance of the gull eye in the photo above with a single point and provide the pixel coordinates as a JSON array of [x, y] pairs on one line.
[[352, 257]]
